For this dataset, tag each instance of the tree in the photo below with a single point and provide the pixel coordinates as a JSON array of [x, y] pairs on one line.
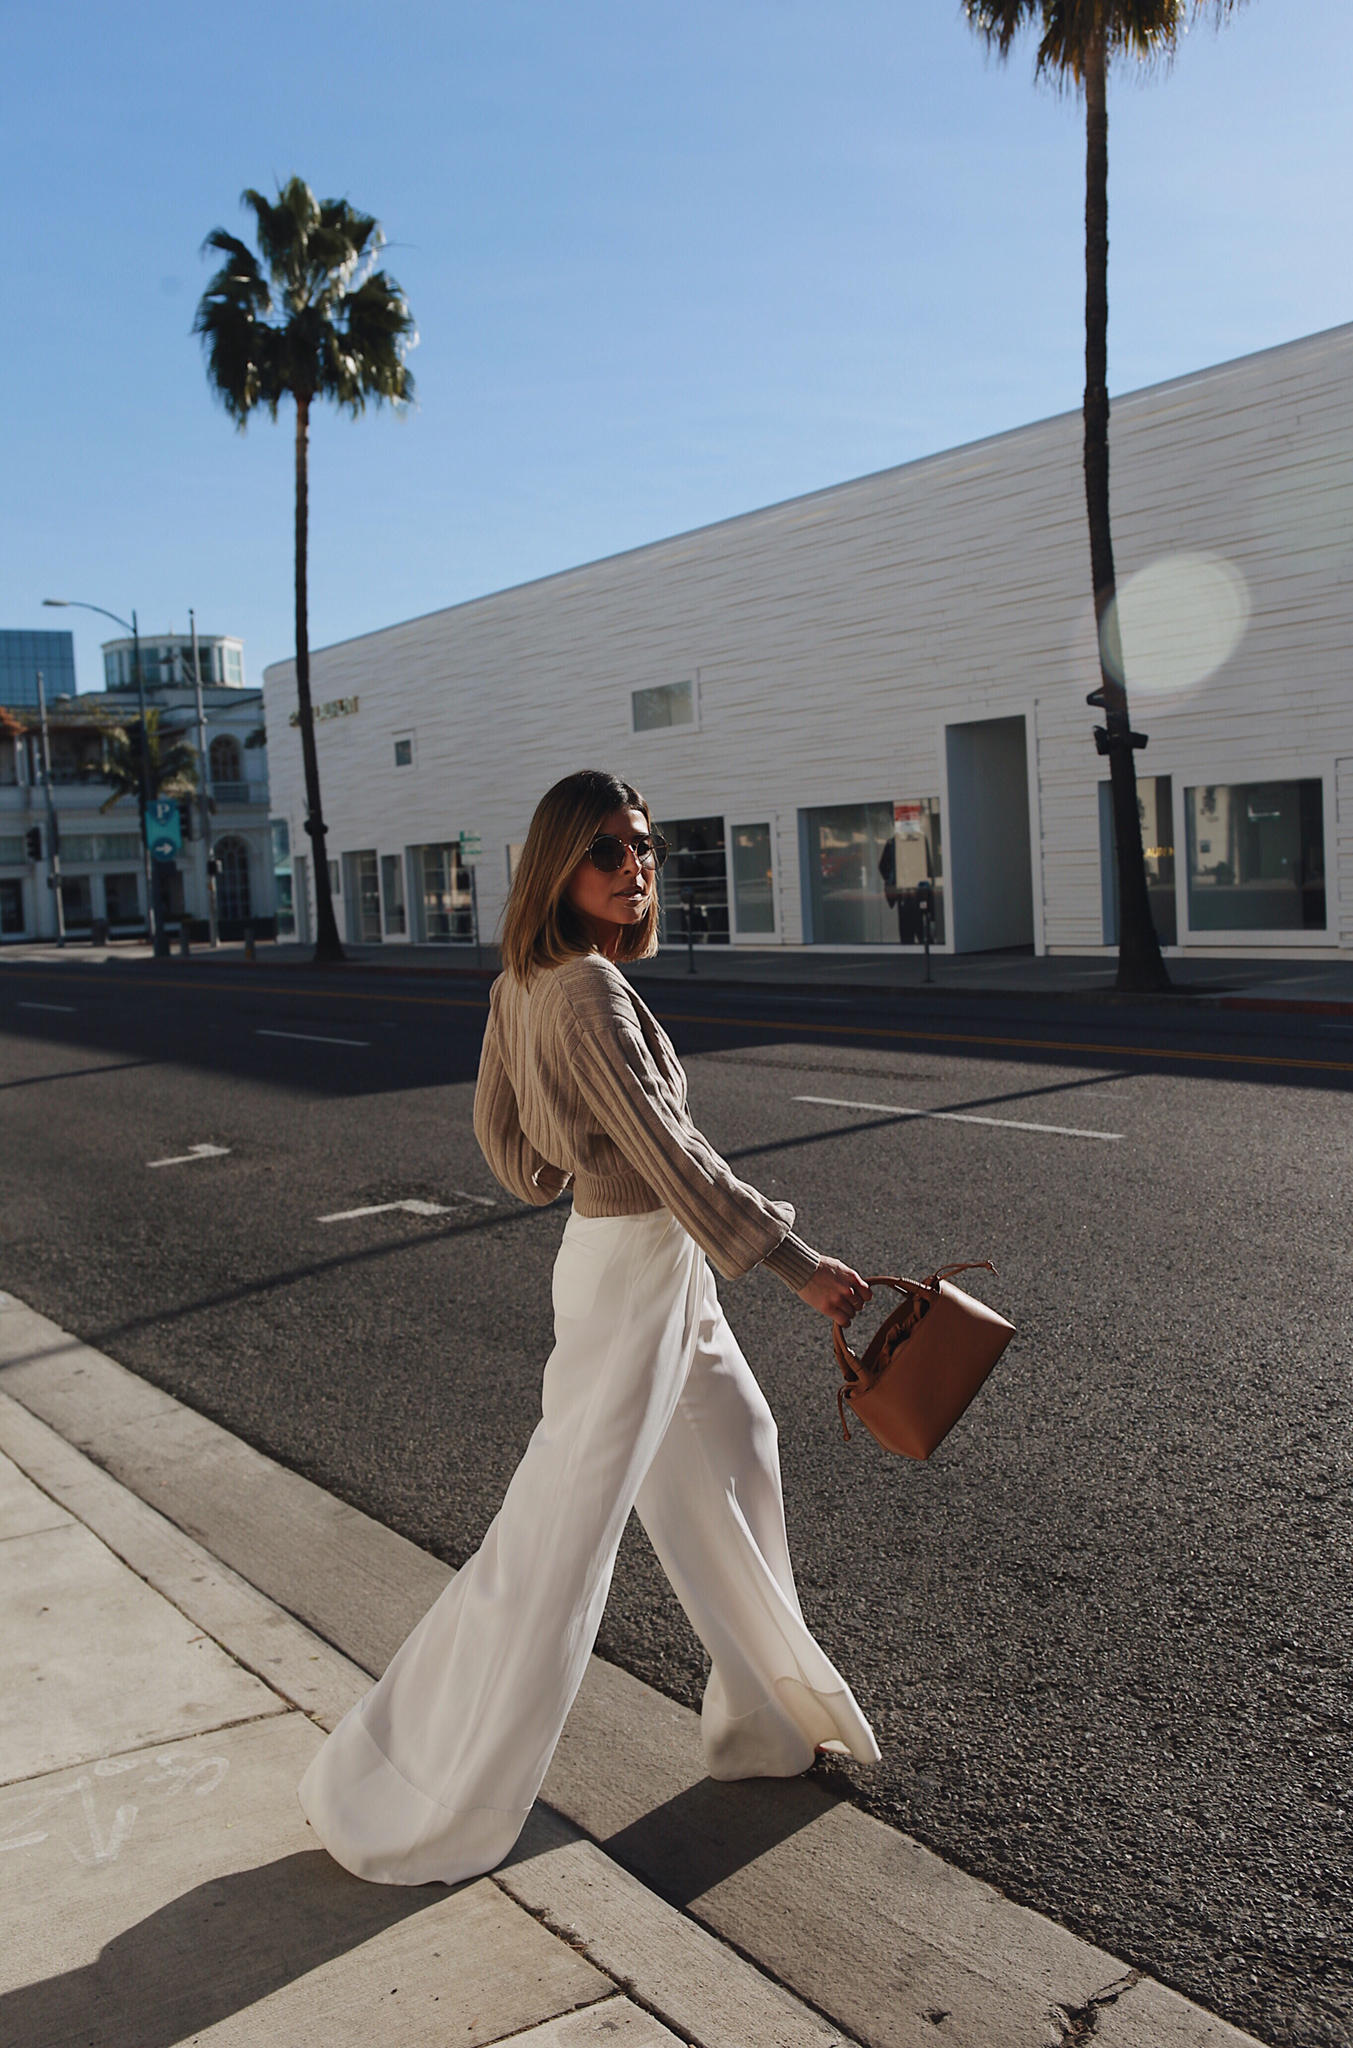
[[171, 765], [1077, 40], [308, 318]]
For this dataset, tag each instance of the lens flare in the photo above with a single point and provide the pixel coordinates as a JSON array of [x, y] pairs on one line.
[[1175, 623]]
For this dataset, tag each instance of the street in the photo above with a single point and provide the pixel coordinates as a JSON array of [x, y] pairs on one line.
[[1102, 1637]]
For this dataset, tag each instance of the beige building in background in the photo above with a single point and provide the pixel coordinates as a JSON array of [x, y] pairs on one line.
[[830, 699]]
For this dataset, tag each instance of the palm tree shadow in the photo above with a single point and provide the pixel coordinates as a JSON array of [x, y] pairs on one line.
[[216, 1950]]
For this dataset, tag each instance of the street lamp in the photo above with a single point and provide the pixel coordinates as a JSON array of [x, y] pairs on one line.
[[53, 838], [159, 937]]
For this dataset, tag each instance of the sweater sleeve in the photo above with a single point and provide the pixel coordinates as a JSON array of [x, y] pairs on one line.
[[512, 1159], [616, 1075]]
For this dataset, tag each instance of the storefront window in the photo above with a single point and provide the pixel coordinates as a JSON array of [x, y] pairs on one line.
[[76, 903], [392, 894], [867, 864], [697, 863], [753, 897], [1155, 809], [448, 912], [282, 885], [1256, 856], [364, 899], [122, 898]]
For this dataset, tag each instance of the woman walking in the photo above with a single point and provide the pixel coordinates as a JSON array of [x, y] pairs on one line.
[[647, 1401]]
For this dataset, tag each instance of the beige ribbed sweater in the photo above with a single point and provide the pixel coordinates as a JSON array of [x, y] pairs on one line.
[[579, 1084]]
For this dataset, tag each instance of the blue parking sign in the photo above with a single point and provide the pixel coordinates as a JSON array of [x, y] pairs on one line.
[[163, 831]]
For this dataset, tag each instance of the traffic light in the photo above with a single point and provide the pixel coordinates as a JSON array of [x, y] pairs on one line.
[[34, 842]]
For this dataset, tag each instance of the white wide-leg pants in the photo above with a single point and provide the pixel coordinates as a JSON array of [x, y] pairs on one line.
[[647, 1402]]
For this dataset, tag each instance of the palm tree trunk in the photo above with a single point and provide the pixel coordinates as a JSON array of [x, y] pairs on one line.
[[1140, 966], [328, 946]]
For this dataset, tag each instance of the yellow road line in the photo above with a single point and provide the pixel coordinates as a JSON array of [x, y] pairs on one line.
[[1136, 1052]]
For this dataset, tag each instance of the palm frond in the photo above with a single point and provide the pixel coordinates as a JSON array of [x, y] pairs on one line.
[[1148, 31]]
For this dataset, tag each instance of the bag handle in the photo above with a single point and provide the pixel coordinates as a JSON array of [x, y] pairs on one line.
[[846, 1358]]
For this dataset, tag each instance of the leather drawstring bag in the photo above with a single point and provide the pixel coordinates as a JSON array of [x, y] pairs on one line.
[[923, 1364]]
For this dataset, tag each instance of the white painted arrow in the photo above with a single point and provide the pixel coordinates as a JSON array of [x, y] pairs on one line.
[[411, 1207], [194, 1152]]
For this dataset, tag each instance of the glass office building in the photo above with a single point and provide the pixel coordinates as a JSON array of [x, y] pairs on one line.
[[22, 654]]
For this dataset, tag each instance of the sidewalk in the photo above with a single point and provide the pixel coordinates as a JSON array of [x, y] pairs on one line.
[[181, 1618], [1319, 986]]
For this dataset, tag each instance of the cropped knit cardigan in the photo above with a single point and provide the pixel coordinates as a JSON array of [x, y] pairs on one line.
[[580, 1085]]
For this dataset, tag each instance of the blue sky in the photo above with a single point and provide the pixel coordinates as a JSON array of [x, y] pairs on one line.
[[668, 262]]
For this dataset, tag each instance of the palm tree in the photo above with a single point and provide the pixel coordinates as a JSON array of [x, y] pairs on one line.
[[1077, 39], [310, 320], [171, 765]]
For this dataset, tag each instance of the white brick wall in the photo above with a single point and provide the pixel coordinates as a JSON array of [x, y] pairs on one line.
[[835, 636]]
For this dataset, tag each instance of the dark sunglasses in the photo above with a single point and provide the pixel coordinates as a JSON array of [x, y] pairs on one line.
[[608, 853]]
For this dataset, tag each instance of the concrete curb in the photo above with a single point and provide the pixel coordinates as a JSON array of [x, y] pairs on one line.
[[671, 1973], [859, 1922]]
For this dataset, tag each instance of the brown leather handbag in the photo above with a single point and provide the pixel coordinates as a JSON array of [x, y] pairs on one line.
[[923, 1364]]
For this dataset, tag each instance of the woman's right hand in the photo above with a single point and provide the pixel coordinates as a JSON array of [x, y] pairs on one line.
[[835, 1290]]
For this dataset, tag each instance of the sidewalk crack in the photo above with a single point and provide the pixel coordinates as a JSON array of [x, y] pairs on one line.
[[1081, 2022]]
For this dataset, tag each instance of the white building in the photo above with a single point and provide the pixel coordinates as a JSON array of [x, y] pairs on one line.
[[100, 852], [893, 671]]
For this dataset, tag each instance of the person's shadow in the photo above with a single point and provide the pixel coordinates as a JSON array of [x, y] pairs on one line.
[[221, 1947]]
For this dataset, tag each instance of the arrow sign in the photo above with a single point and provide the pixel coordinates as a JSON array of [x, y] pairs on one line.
[[411, 1207], [163, 829], [196, 1152]]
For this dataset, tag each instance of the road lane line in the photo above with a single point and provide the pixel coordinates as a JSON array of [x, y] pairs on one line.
[[954, 1116], [193, 1152], [67, 1009], [312, 1038]]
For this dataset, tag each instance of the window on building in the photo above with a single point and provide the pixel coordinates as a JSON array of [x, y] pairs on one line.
[[122, 898], [364, 897], [234, 664], [282, 886], [1155, 809], [79, 847], [404, 753], [76, 902], [392, 894], [753, 895], [668, 704], [12, 850], [9, 761], [226, 765], [865, 865], [693, 886], [1256, 856], [233, 900], [11, 909], [447, 906]]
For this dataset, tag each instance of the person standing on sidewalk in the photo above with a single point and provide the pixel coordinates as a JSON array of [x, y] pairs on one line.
[[647, 1401]]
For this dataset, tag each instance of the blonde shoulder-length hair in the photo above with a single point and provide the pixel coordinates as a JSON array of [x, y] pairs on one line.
[[540, 926]]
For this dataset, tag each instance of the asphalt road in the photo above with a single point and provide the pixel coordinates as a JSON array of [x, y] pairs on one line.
[[1103, 1635]]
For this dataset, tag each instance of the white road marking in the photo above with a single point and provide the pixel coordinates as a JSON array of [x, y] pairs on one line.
[[954, 1116], [194, 1152], [67, 1009], [312, 1038], [411, 1207]]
